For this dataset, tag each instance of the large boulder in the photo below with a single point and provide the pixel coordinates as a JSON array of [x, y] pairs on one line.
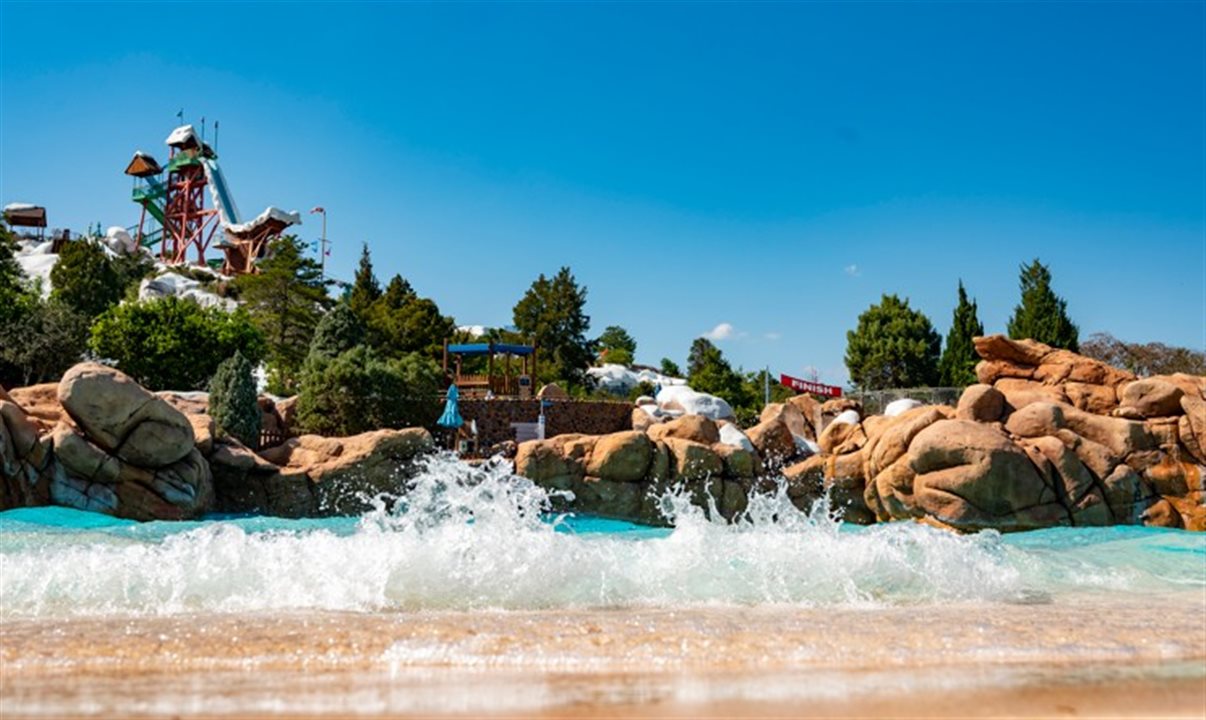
[[123, 418], [790, 416], [621, 457], [982, 403], [773, 440], [810, 410], [1151, 398], [696, 428], [26, 460], [970, 476], [1191, 428], [1121, 436], [244, 482], [1027, 371], [348, 472], [692, 461], [40, 403], [89, 477]]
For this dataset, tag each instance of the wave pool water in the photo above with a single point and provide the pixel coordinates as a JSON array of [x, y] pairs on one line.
[[466, 538]]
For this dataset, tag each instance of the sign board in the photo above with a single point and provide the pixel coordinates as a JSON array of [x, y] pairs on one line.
[[807, 386]]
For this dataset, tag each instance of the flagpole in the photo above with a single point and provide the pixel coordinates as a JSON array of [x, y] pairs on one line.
[[322, 243]]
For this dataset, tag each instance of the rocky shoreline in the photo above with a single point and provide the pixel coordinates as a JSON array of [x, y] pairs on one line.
[[1047, 438]]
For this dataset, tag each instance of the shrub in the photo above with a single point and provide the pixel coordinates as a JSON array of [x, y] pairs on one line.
[[361, 391], [233, 400], [339, 331], [173, 343], [84, 278]]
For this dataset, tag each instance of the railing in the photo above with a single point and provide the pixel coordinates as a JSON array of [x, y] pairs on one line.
[[478, 385]]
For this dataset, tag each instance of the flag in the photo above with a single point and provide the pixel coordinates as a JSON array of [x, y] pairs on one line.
[[318, 210]]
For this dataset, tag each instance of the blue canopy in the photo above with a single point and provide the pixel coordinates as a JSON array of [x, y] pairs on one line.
[[487, 348], [452, 415]]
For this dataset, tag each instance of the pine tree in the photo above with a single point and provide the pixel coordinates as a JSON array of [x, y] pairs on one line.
[[957, 368], [286, 300], [233, 402], [708, 371], [365, 288], [894, 346], [551, 311], [1042, 315]]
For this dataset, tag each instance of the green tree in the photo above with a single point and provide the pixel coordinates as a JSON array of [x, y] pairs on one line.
[[708, 371], [552, 312], [366, 290], [400, 322], [1144, 358], [286, 300], [39, 338], [893, 346], [233, 401], [85, 278], [616, 338], [12, 279], [957, 367], [173, 343], [671, 368], [361, 391], [338, 331], [1042, 315]]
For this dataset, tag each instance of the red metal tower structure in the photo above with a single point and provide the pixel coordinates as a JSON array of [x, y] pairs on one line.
[[187, 222]]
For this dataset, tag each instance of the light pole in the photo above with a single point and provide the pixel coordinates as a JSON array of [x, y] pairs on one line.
[[322, 243]]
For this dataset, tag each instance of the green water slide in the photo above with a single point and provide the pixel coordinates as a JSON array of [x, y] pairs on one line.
[[151, 194]]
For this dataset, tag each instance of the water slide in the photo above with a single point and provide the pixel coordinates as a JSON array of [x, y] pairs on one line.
[[228, 212], [153, 197]]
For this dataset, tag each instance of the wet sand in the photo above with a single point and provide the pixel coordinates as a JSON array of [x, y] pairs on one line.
[[1090, 657]]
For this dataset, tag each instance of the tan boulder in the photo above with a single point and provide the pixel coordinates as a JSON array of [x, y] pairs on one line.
[[1076, 488], [1151, 397], [891, 440], [621, 457], [696, 428], [1121, 436], [789, 415], [738, 462], [970, 476], [773, 441], [40, 404], [982, 403], [642, 420], [692, 461], [805, 481], [610, 498], [810, 410], [1191, 427], [244, 482], [204, 430], [836, 406], [840, 438], [91, 478], [347, 472], [26, 460], [1128, 495], [1020, 393], [548, 463], [1099, 399], [121, 417], [1161, 513], [286, 410], [1194, 385], [1000, 348]]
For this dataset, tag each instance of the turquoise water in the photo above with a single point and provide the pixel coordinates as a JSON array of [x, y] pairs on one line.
[[469, 538]]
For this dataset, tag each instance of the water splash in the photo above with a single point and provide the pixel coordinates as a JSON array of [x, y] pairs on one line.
[[467, 537]]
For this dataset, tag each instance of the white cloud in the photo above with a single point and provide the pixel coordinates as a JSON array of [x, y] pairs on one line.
[[773, 336], [723, 331], [853, 271]]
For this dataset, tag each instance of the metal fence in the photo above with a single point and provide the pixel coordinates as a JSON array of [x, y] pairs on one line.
[[874, 401]]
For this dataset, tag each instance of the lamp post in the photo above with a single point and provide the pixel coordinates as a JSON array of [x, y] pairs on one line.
[[322, 243]]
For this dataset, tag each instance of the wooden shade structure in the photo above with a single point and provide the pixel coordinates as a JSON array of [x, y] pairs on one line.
[[499, 384]]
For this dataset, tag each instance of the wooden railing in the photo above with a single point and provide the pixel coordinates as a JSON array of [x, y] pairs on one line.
[[477, 385]]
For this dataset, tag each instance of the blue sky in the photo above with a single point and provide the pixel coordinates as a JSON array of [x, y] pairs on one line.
[[773, 167]]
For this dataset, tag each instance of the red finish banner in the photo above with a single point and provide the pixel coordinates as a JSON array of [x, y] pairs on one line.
[[808, 386]]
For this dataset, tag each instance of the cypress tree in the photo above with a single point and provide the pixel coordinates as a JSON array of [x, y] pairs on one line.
[[338, 331], [232, 400], [366, 290], [957, 367], [1042, 315]]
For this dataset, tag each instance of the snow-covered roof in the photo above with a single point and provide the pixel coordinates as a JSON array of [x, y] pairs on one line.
[[473, 330], [12, 207], [182, 135], [269, 214]]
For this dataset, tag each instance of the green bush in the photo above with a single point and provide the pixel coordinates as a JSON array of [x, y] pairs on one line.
[[39, 338], [173, 343], [233, 400], [894, 346], [339, 331], [361, 391]]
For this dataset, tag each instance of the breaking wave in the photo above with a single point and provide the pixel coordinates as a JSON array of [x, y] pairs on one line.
[[478, 537]]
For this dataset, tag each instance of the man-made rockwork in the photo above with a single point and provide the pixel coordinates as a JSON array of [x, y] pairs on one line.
[[119, 449], [1047, 438], [494, 418]]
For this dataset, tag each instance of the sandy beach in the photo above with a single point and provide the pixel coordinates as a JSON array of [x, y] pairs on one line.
[[1089, 657]]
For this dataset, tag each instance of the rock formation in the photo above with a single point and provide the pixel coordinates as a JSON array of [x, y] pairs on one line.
[[1046, 438]]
